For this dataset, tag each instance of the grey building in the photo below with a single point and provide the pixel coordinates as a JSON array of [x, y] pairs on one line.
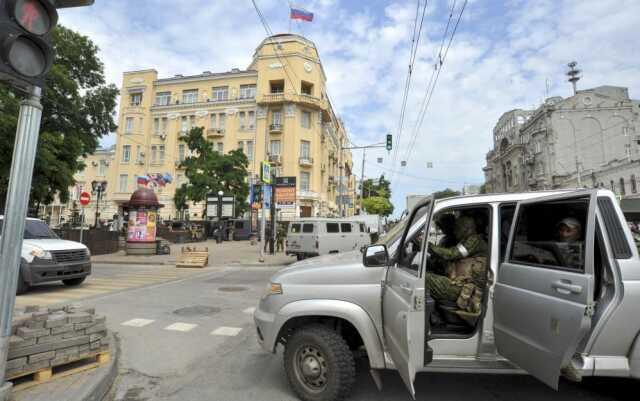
[[591, 139]]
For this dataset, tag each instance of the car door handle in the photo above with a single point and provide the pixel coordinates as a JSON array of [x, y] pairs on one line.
[[405, 287], [565, 287]]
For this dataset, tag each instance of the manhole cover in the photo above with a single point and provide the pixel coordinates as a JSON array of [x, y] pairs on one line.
[[232, 289], [197, 310]]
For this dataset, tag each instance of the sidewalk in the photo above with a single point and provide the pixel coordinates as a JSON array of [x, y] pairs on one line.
[[224, 254]]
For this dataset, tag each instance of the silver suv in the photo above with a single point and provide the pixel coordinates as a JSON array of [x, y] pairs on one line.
[[559, 295]]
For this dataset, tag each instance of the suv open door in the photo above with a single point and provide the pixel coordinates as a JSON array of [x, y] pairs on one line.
[[543, 297], [403, 301]]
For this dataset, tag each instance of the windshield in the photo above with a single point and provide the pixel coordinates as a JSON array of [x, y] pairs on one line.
[[36, 229], [392, 238]]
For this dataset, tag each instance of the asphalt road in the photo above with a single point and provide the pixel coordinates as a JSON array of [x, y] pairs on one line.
[[192, 338]]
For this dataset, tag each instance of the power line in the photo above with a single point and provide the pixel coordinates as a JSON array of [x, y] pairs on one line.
[[441, 61], [415, 41]]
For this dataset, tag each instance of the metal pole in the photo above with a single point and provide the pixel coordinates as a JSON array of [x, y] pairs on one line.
[[81, 224], [340, 180], [273, 213], [263, 222], [24, 155], [364, 154]]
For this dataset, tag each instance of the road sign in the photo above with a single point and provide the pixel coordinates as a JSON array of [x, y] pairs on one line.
[[85, 198], [265, 172]]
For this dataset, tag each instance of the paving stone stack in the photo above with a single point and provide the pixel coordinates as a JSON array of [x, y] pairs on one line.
[[43, 338]]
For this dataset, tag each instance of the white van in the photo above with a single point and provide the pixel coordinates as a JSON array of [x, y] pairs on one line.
[[316, 236]]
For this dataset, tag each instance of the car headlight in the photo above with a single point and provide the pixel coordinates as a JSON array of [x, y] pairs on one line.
[[41, 254], [273, 289]]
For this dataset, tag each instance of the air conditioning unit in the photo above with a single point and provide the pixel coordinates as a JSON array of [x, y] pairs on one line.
[[94, 163], [141, 154], [163, 136], [275, 159]]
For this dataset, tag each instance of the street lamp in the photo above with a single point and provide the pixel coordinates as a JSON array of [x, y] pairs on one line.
[[98, 188], [219, 237]]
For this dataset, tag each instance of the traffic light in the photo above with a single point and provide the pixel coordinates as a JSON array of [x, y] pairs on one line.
[[389, 141], [26, 51]]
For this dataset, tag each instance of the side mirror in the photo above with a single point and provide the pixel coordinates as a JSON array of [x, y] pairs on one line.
[[375, 256]]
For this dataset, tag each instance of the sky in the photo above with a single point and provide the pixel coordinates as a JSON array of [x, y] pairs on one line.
[[505, 54]]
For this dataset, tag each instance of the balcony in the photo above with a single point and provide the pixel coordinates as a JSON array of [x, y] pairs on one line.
[[305, 161], [275, 159], [275, 129], [216, 132], [279, 98]]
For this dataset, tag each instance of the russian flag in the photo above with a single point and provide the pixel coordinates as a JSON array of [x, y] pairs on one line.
[[298, 13]]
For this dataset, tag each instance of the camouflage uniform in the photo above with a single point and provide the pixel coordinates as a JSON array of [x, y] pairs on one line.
[[280, 234], [466, 269]]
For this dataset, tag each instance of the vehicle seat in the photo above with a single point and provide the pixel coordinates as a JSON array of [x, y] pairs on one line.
[[448, 311]]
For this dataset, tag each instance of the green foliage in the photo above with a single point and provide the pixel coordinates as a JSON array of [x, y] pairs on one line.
[[78, 109], [447, 193], [377, 205], [208, 172], [380, 187], [483, 188]]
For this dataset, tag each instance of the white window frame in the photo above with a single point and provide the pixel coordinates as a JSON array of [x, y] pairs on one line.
[[305, 119], [242, 120], [163, 99], [213, 120], [220, 147], [220, 94], [126, 153], [222, 120], [250, 151], [276, 117], [272, 147], [181, 152], [248, 91], [251, 120], [305, 149], [304, 187], [123, 183], [135, 99], [129, 123], [189, 96]]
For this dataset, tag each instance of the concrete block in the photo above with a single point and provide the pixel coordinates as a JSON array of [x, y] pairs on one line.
[[100, 319], [31, 308], [43, 356], [97, 336], [68, 351], [53, 309], [26, 342], [62, 329], [26, 332], [38, 348], [55, 320], [89, 309], [20, 319], [80, 317], [82, 326], [50, 339], [35, 324], [96, 328], [94, 345], [16, 363], [61, 360], [38, 365], [74, 334], [40, 315], [83, 348], [15, 341]]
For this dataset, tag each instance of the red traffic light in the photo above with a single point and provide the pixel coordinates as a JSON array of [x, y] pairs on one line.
[[35, 16]]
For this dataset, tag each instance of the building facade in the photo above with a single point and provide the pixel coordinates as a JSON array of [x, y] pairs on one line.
[[277, 110], [591, 139]]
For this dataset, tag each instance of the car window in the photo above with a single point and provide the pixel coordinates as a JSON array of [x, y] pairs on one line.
[[295, 228], [410, 254], [35, 229], [558, 244], [345, 227], [506, 219], [307, 228], [333, 228]]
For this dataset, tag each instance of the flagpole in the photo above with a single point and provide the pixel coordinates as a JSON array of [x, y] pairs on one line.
[[289, 18]]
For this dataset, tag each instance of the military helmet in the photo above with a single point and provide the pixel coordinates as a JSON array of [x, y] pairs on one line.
[[465, 227]]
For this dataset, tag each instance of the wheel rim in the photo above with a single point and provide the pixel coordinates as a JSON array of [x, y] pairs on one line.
[[311, 368]]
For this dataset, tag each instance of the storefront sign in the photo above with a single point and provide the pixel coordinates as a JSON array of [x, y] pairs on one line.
[[286, 192]]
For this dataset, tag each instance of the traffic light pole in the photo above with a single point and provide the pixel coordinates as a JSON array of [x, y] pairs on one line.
[[24, 155], [364, 149]]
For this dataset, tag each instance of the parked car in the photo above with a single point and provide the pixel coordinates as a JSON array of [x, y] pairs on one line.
[[548, 306], [315, 236], [46, 257]]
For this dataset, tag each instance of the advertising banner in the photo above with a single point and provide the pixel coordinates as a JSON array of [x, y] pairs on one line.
[[142, 226], [286, 192]]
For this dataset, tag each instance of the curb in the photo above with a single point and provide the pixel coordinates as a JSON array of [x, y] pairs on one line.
[[127, 262], [99, 390]]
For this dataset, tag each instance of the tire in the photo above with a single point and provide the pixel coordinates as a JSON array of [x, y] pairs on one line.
[[299, 256], [72, 282], [329, 361], [23, 286]]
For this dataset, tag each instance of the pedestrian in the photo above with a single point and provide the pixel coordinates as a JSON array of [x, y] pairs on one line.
[[280, 235]]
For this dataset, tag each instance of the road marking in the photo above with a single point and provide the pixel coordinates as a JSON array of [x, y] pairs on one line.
[[226, 331], [181, 327], [249, 311], [137, 322]]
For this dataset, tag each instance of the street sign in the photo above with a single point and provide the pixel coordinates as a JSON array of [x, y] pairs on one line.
[[85, 198], [265, 172]]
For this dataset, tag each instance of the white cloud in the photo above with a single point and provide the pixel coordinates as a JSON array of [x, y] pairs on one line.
[[503, 54]]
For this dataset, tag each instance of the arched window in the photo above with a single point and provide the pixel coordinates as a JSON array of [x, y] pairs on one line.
[[622, 190], [612, 185], [634, 184]]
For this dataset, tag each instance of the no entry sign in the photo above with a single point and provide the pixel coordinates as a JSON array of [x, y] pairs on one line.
[[85, 198]]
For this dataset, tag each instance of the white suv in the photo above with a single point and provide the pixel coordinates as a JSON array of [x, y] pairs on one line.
[[45, 257]]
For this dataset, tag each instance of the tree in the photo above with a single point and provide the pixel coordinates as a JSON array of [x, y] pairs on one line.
[[380, 187], [208, 171], [377, 205], [78, 110], [447, 193]]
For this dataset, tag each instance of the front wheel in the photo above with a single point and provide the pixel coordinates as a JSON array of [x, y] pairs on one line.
[[319, 364], [72, 282]]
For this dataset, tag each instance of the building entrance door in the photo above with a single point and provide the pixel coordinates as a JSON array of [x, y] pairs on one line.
[[305, 211]]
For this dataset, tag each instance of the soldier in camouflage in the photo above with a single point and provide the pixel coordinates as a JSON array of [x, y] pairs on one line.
[[466, 269]]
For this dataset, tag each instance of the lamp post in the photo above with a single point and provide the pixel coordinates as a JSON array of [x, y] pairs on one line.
[[575, 149], [219, 238], [98, 188]]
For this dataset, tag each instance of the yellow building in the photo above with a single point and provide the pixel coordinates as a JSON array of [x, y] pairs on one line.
[[98, 168], [276, 110]]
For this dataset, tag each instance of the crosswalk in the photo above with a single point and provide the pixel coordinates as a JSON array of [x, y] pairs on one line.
[[100, 284], [225, 331]]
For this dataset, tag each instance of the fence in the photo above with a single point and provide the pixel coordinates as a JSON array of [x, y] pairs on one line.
[[98, 241]]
